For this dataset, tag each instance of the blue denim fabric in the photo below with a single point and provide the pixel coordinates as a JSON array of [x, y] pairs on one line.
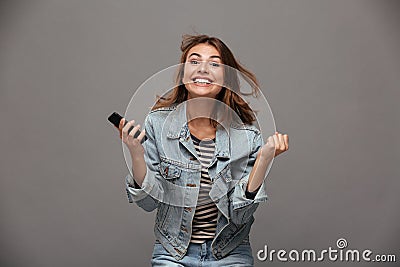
[[201, 255], [172, 164]]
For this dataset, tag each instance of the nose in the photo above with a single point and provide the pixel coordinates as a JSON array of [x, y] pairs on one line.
[[203, 67]]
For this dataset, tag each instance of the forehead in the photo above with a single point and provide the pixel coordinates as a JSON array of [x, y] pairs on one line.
[[204, 50]]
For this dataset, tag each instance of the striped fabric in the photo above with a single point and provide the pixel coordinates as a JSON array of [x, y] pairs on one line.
[[205, 216]]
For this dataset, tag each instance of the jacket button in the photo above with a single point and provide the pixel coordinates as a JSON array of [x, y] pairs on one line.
[[166, 170], [191, 185]]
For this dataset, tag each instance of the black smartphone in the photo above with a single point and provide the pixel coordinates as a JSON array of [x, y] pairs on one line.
[[115, 119]]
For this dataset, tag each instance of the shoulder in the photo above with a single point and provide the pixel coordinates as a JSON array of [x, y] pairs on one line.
[[245, 127], [160, 113], [164, 109], [247, 133]]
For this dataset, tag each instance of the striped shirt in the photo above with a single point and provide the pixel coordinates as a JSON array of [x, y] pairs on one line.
[[205, 216]]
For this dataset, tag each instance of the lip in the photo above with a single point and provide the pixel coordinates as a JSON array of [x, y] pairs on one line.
[[202, 77], [202, 84]]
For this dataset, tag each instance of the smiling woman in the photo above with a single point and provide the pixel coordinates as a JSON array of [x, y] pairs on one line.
[[210, 58], [203, 74], [202, 160]]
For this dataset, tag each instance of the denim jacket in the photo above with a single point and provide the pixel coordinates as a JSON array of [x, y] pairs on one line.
[[173, 176]]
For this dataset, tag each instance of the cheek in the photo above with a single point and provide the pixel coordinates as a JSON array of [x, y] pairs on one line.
[[188, 86], [185, 78], [219, 77], [219, 89], [187, 73]]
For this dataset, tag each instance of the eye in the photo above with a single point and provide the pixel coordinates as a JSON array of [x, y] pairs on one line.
[[215, 64], [194, 62]]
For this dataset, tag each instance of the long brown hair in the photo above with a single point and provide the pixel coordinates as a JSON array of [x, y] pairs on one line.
[[230, 97]]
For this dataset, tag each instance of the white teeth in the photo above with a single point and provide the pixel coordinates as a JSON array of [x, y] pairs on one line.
[[198, 80]]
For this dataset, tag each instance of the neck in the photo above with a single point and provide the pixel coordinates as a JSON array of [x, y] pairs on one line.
[[198, 112]]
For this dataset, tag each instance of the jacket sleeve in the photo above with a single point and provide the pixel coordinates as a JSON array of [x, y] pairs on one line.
[[142, 195], [242, 208]]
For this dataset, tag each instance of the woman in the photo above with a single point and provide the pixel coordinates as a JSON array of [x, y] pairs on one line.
[[209, 220]]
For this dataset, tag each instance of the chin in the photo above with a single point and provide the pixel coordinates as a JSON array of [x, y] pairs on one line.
[[202, 91]]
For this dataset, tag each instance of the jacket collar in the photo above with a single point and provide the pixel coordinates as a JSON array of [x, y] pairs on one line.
[[178, 128]]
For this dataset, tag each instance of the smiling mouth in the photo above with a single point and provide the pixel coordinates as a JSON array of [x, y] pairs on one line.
[[202, 81]]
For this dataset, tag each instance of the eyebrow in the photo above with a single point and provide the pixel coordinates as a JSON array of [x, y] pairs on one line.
[[198, 55]]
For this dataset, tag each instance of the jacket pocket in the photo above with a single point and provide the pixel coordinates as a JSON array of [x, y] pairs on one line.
[[161, 216], [169, 171]]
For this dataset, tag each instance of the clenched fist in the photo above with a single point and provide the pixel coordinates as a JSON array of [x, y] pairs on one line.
[[276, 144]]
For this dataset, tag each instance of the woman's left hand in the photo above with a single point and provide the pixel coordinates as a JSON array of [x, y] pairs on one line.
[[276, 144], [281, 143]]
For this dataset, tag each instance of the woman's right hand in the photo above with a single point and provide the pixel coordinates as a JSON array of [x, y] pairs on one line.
[[134, 144]]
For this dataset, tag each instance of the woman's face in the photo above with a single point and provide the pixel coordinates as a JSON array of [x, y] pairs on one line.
[[203, 71]]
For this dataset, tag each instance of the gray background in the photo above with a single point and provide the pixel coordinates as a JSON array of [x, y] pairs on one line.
[[329, 69]]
